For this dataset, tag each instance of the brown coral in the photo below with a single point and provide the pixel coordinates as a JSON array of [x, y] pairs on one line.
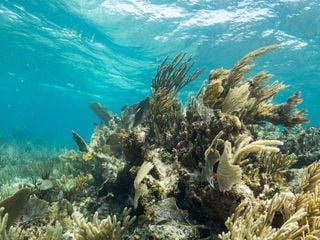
[[170, 78], [249, 99]]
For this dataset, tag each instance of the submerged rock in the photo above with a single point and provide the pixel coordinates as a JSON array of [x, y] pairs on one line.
[[35, 208], [46, 185], [172, 231], [14, 204], [169, 222]]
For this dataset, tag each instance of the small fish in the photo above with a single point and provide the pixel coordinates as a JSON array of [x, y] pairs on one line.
[[60, 195], [82, 145], [162, 222], [142, 109], [102, 112]]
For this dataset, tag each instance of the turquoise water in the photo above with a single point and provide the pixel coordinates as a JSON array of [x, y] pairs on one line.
[[58, 56]]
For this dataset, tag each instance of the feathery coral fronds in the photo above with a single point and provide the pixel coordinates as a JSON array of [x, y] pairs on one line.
[[173, 76], [284, 113], [310, 201], [236, 99], [250, 99], [273, 163], [245, 64], [299, 214], [254, 147], [249, 222], [211, 95], [163, 110], [261, 91], [311, 177], [168, 81]]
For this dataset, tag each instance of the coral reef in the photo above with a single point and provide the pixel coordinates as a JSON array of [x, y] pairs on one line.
[[223, 165]]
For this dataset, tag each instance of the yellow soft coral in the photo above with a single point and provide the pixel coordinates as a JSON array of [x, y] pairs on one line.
[[88, 156]]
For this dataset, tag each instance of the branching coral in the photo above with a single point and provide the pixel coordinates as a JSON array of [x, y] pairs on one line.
[[11, 233], [173, 76], [310, 201], [252, 222], [168, 81], [109, 228], [303, 142], [222, 80], [284, 113], [61, 211], [53, 232], [285, 216], [231, 168], [250, 99], [164, 110], [72, 187], [18, 233], [311, 177], [3, 225], [273, 164], [244, 65]]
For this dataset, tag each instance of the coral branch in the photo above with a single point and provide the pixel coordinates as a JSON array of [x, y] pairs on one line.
[[250, 99], [173, 76]]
